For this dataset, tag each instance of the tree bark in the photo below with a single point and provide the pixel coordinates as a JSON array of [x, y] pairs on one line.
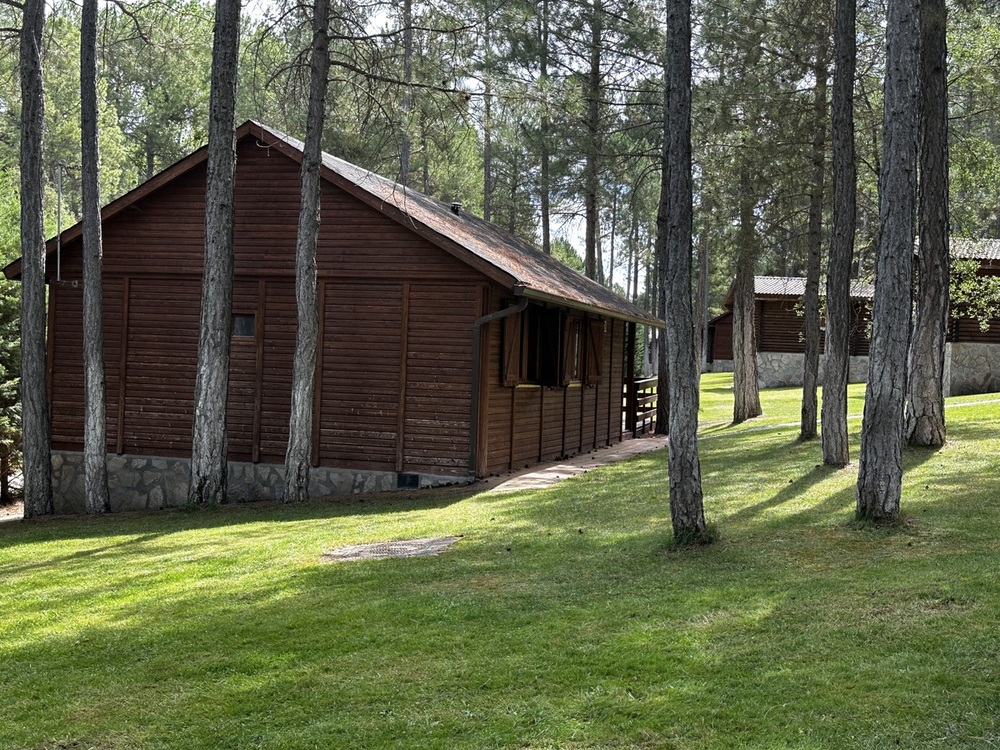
[[746, 392], [925, 423], [674, 226], [407, 104], [487, 119], [209, 444], [591, 169], [701, 304], [880, 465], [810, 374], [545, 186], [95, 418], [34, 387], [836, 451], [300, 427]]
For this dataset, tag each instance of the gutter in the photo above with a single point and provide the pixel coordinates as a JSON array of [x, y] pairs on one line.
[[477, 368]]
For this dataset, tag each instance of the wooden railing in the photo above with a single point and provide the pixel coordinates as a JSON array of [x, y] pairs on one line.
[[640, 406]]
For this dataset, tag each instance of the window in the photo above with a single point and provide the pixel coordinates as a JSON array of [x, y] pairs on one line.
[[244, 326], [545, 346]]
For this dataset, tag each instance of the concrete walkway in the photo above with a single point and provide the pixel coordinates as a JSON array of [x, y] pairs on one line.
[[546, 475]]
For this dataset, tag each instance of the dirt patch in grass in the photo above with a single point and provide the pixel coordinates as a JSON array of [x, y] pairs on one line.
[[424, 547]]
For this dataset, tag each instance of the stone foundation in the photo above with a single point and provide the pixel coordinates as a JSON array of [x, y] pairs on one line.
[[971, 368], [781, 369], [143, 482]]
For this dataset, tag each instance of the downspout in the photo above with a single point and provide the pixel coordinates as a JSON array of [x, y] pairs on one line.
[[477, 367]]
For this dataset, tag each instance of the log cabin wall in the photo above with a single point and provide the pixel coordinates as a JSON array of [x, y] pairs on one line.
[[397, 315], [781, 327], [722, 337], [530, 423]]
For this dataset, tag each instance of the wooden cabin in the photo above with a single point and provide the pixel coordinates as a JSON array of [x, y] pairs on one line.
[[972, 354], [450, 349], [780, 330]]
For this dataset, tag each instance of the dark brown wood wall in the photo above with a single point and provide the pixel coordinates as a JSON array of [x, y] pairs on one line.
[[533, 423], [397, 318], [722, 342], [781, 328]]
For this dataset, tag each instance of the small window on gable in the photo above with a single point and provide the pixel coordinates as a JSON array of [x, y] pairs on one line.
[[244, 326]]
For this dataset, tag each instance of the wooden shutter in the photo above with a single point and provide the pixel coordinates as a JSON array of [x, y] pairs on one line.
[[594, 369], [572, 341], [511, 365]]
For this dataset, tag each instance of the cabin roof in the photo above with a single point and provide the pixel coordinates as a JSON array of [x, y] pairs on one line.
[[794, 287], [984, 249], [500, 255]]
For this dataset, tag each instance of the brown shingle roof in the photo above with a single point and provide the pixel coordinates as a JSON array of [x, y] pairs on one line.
[[523, 268], [503, 257]]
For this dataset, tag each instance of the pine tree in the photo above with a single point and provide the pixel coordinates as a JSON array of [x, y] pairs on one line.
[[209, 465]]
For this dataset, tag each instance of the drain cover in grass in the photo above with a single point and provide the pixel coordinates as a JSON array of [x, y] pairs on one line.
[[403, 548]]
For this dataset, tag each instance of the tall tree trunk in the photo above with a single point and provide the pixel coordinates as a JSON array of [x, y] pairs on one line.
[[545, 186], [838, 280], [300, 425], [488, 118], [407, 104], [34, 387], [610, 279], [925, 424], [662, 424], [810, 374], [674, 229], [880, 465], [701, 325], [591, 168], [209, 444], [746, 392], [95, 417]]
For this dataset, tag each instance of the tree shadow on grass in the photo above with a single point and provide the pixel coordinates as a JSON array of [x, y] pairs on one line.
[[794, 490], [150, 524]]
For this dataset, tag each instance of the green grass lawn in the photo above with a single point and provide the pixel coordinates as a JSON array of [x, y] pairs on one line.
[[560, 620]]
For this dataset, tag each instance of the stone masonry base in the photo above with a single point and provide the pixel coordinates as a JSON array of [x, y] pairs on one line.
[[149, 482], [780, 369]]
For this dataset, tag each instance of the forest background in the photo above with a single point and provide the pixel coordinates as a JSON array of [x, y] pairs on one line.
[[544, 117]]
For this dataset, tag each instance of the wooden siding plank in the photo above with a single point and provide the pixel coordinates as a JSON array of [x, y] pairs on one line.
[[318, 378], [258, 385], [404, 340], [123, 369], [438, 387]]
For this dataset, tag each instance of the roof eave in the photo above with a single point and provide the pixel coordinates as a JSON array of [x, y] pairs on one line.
[[539, 296]]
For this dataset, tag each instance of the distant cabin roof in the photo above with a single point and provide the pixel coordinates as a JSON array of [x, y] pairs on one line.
[[510, 261], [986, 249], [794, 287]]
